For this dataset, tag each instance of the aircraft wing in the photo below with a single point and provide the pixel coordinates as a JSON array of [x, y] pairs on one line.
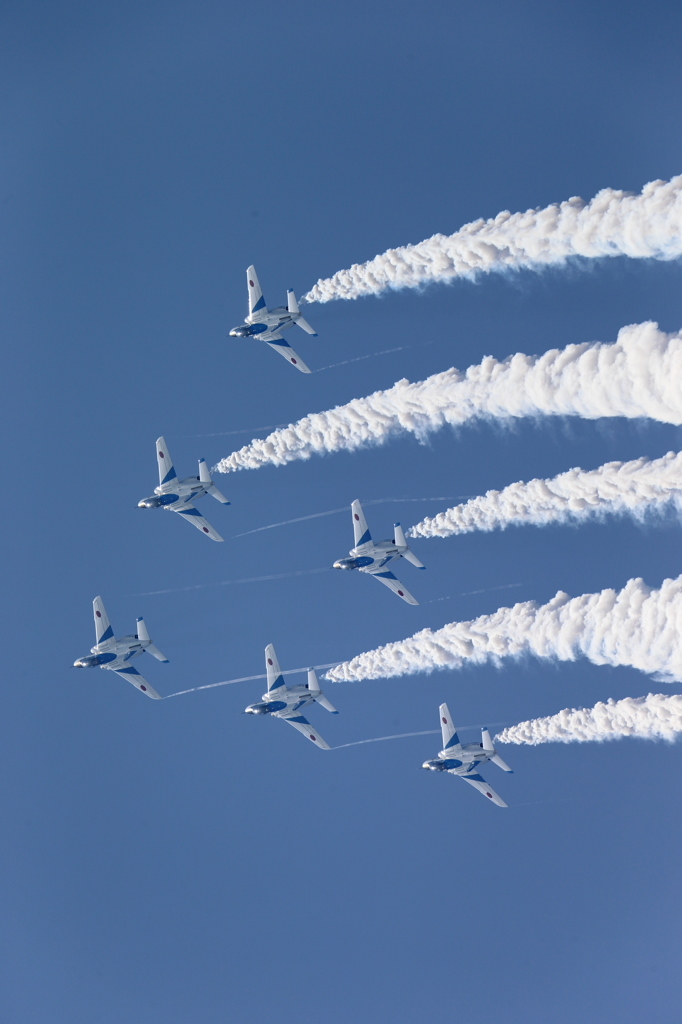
[[134, 677], [304, 726], [395, 585], [193, 516], [285, 349], [482, 786]]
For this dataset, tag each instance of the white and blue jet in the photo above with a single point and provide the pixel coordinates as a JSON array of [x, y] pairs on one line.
[[178, 495], [373, 557], [116, 653], [268, 324], [463, 760], [285, 702]]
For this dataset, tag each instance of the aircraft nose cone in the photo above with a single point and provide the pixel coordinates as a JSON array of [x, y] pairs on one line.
[[78, 664]]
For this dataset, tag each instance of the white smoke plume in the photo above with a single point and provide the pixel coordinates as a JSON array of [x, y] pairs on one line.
[[614, 223], [654, 717], [637, 488], [636, 626], [637, 376]]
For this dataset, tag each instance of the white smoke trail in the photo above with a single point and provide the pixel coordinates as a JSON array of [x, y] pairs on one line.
[[637, 376], [637, 488], [653, 717], [636, 626], [614, 223]]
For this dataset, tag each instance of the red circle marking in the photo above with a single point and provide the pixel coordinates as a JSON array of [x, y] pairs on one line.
[[357, 516], [293, 360], [490, 795], [401, 593], [98, 614], [251, 283], [143, 688], [269, 661], [160, 455], [204, 529], [313, 739], [445, 721]]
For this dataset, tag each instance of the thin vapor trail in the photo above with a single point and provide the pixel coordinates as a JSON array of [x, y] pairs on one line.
[[636, 626], [244, 430], [636, 376], [404, 735], [614, 223], [469, 593], [637, 488], [335, 511], [357, 359], [246, 679], [227, 583], [654, 717]]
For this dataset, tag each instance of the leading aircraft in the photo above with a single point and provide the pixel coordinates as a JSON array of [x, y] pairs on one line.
[[267, 324], [282, 701], [178, 495], [463, 760], [373, 556], [116, 653]]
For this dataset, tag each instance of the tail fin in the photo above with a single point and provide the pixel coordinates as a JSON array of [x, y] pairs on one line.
[[103, 630], [360, 530], [398, 536], [166, 471], [143, 636], [487, 745], [274, 673], [256, 300], [450, 737], [292, 304], [205, 478], [316, 692]]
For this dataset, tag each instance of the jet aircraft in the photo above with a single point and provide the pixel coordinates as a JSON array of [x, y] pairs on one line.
[[116, 653], [178, 495], [267, 324], [464, 760], [285, 702], [373, 556]]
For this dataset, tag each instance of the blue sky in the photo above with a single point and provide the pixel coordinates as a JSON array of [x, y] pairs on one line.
[[176, 862]]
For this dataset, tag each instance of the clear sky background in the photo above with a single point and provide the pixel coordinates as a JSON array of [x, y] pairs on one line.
[[176, 862]]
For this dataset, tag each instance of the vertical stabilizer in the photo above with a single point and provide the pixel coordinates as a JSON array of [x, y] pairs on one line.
[[103, 630], [398, 536], [292, 304], [256, 300], [166, 471], [450, 737], [275, 677], [142, 632], [360, 530], [313, 684], [204, 475]]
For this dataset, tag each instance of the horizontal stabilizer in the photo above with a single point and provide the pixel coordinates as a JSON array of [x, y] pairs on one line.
[[215, 493], [501, 764], [305, 326], [412, 558], [326, 704], [156, 653]]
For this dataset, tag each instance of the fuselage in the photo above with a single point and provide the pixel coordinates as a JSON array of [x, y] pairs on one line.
[[112, 653], [460, 761], [265, 322], [175, 494], [371, 556], [293, 698]]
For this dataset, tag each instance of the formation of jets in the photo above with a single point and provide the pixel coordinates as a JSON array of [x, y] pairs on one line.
[[368, 556]]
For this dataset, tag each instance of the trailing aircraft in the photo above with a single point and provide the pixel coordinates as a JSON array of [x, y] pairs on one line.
[[178, 495], [267, 324], [463, 760], [373, 556], [285, 702], [115, 653]]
